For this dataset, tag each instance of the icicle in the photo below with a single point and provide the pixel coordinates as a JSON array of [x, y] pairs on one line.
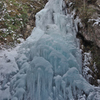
[[50, 60]]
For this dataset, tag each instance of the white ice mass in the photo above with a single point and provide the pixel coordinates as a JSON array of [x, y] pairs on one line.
[[49, 61]]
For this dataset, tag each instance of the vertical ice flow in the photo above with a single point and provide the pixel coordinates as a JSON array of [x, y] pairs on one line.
[[50, 59]]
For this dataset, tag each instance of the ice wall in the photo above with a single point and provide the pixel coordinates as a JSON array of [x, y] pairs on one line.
[[50, 60]]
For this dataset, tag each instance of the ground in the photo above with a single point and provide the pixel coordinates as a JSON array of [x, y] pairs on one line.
[[17, 19]]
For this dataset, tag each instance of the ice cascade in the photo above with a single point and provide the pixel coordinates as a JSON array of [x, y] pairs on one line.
[[50, 60]]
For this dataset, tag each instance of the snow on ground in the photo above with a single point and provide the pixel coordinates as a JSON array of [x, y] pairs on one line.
[[87, 72], [97, 21]]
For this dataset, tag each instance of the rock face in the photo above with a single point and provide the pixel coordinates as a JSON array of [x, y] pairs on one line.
[[98, 2], [97, 32], [88, 13], [92, 34]]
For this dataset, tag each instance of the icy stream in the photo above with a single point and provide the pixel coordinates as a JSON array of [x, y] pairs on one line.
[[50, 60]]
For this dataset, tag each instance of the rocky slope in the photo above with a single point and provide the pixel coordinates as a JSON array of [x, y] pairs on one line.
[[17, 19]]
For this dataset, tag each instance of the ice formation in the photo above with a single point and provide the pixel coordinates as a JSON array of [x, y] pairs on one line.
[[50, 60]]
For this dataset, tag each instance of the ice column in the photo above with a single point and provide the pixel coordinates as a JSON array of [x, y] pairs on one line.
[[50, 59]]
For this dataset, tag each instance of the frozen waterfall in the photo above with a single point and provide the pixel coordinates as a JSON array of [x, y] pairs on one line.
[[50, 60]]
